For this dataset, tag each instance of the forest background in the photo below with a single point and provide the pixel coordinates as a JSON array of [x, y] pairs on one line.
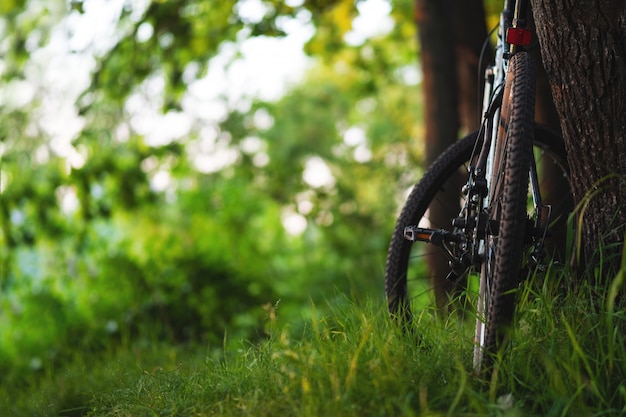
[[155, 190], [163, 198]]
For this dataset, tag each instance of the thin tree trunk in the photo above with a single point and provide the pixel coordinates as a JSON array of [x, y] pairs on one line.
[[437, 53], [450, 42], [470, 33], [433, 21]]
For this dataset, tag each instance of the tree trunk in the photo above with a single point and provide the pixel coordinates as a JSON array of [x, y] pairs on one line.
[[451, 35], [450, 42], [439, 85], [470, 33], [439, 71], [584, 54]]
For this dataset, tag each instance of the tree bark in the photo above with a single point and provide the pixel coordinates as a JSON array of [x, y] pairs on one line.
[[584, 54], [470, 33], [439, 84], [437, 53], [450, 43], [451, 34]]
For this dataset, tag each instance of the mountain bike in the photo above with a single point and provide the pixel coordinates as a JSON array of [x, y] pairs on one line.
[[489, 211]]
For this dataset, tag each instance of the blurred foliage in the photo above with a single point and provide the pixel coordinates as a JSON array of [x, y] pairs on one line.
[[106, 235]]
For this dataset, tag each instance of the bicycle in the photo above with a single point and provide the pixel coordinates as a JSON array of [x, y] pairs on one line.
[[483, 210]]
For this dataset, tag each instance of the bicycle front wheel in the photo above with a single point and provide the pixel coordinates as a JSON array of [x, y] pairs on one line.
[[415, 272]]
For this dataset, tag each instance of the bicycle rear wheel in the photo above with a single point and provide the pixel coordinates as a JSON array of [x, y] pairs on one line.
[[507, 212]]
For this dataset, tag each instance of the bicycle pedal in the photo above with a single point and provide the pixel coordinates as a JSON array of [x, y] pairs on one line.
[[413, 234]]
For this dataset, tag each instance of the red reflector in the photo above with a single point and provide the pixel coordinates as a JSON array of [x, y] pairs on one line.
[[517, 36], [423, 237]]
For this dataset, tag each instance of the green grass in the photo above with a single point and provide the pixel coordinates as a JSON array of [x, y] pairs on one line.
[[567, 358]]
